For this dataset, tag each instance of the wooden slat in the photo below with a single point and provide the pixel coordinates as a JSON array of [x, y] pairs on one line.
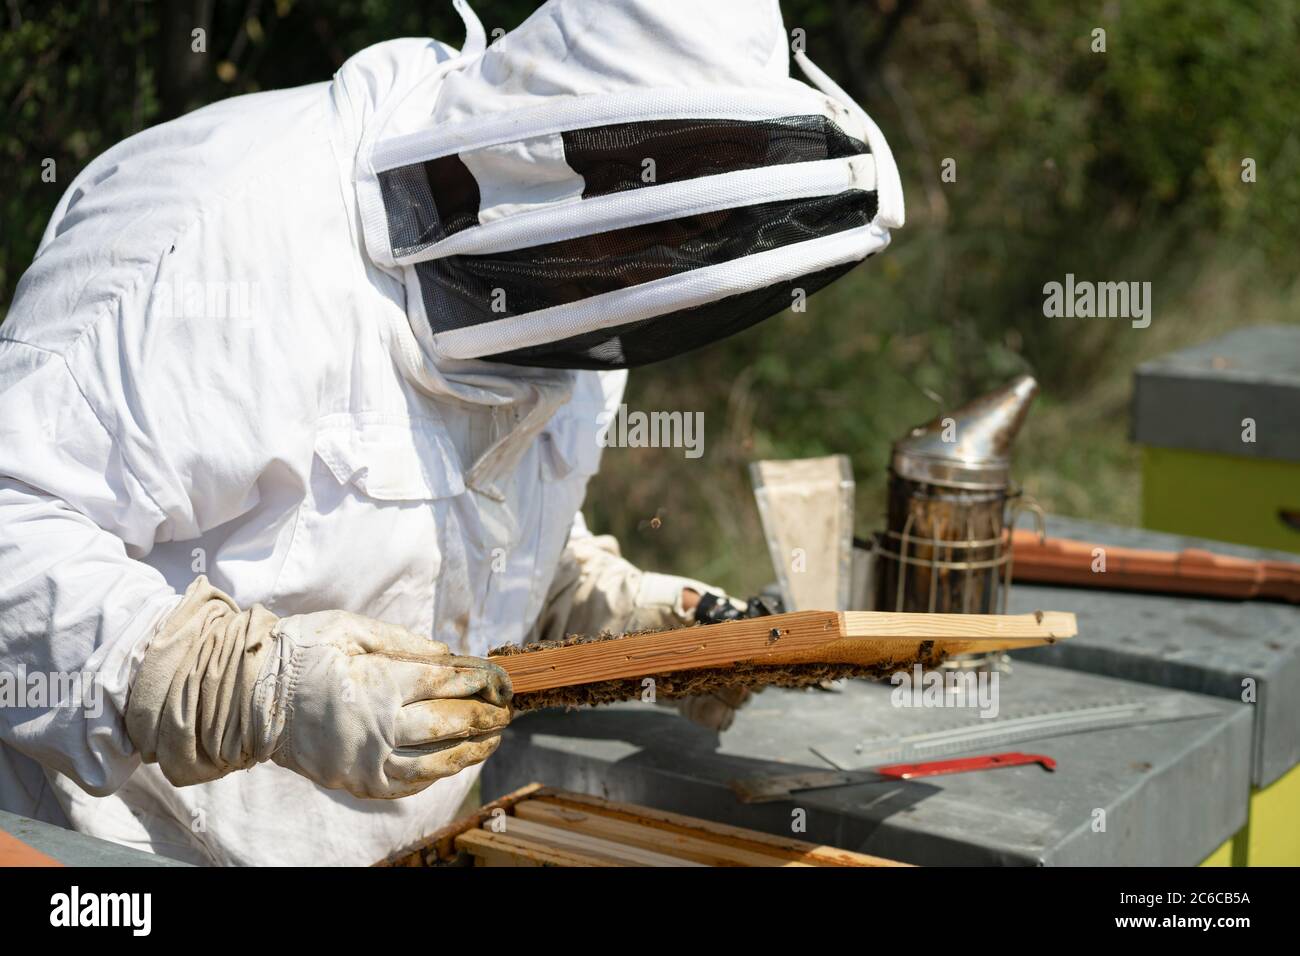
[[877, 638], [686, 846], [529, 831], [501, 849], [464, 841], [440, 847], [1038, 625], [785, 847]]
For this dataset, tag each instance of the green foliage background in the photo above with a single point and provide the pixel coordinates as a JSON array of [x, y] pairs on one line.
[[1122, 165]]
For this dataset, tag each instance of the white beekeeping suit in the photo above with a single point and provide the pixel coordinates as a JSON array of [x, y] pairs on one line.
[[260, 368]]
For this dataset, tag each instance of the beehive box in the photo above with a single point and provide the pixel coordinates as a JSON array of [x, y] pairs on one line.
[[1220, 448], [541, 826]]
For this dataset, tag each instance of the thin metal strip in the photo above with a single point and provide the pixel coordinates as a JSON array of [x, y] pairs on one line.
[[1014, 728]]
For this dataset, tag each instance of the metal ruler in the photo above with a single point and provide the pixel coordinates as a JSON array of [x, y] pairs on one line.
[[1025, 724]]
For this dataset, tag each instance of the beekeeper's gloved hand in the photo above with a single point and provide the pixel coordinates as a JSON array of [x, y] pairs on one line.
[[715, 608], [715, 710], [373, 709], [347, 701], [705, 605]]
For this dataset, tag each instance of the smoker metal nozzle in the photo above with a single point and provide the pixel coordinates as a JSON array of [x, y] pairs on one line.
[[970, 447]]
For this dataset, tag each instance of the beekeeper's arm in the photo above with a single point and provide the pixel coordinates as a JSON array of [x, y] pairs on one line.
[[189, 681], [347, 701], [596, 589]]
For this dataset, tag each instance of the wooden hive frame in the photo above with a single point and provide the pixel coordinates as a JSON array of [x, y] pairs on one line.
[[542, 826], [877, 640]]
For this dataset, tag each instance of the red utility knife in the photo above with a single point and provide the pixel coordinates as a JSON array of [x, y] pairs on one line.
[[766, 789], [935, 768]]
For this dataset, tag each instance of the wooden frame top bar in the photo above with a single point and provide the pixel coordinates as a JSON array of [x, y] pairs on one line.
[[865, 638]]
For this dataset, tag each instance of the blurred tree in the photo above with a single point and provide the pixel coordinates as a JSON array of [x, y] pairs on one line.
[[1122, 164], [77, 76]]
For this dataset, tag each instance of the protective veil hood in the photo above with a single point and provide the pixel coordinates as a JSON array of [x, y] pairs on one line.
[[614, 183]]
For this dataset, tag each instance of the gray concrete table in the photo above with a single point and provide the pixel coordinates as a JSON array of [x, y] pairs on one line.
[[1171, 792], [1211, 646], [1205, 645], [76, 849]]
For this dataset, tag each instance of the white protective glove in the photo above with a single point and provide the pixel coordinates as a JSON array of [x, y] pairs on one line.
[[373, 709], [715, 710], [661, 601], [347, 701]]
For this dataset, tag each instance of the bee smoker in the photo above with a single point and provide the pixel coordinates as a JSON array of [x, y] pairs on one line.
[[946, 546]]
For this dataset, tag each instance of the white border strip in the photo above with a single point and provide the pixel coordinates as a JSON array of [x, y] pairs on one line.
[[647, 204], [579, 112], [661, 296], [890, 210]]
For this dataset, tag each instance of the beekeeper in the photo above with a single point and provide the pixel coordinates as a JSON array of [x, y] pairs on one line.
[[301, 394]]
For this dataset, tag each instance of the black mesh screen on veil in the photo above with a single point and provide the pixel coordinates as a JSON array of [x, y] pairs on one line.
[[614, 158], [463, 291], [460, 291], [428, 201], [652, 340]]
